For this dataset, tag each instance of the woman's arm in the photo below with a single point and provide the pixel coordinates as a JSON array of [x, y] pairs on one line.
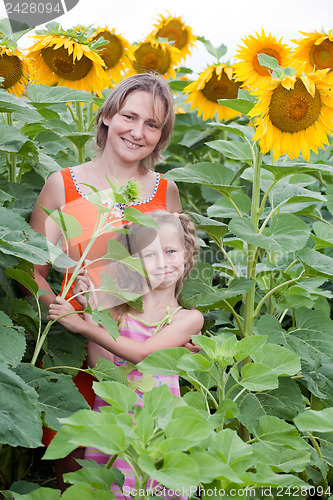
[[51, 197], [185, 324], [172, 198]]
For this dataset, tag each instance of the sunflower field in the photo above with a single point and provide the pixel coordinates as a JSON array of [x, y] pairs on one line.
[[251, 154]]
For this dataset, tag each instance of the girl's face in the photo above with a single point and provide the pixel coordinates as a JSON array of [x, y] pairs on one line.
[[135, 130], [163, 258]]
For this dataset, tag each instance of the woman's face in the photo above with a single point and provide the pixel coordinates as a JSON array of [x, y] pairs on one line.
[[136, 129]]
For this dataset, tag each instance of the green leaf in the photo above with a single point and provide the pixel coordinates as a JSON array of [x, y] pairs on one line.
[[144, 425], [132, 214], [116, 251], [224, 208], [316, 263], [80, 138], [160, 402], [64, 348], [194, 137], [178, 471], [54, 391], [211, 467], [89, 429], [105, 319], [276, 431], [11, 139], [192, 362], [99, 477], [234, 150], [281, 459], [68, 224], [315, 421], [107, 370], [243, 106], [236, 129], [212, 175], [258, 377], [43, 96], [163, 362], [231, 447], [287, 232], [10, 103], [285, 402], [116, 394], [41, 494], [281, 360], [193, 429], [24, 279], [20, 422], [212, 227], [12, 341], [249, 345]]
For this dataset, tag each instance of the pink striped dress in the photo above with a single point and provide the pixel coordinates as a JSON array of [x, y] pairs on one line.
[[134, 328]]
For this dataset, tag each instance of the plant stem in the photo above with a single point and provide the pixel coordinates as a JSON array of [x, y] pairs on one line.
[[272, 291], [12, 156], [252, 249], [80, 128]]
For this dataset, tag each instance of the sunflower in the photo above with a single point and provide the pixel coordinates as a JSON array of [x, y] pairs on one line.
[[248, 70], [316, 49], [159, 57], [216, 82], [14, 69], [174, 30], [67, 59], [116, 53], [295, 113]]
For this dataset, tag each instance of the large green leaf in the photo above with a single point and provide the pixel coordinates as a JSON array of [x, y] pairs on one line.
[[163, 362], [117, 251], [234, 150], [10, 103], [107, 370], [240, 130], [213, 175], [276, 431], [24, 279], [58, 395], [244, 106], [258, 377], [12, 341], [64, 348], [285, 402], [99, 477], [20, 422], [44, 96], [11, 139], [116, 394], [316, 263], [89, 429], [281, 360], [178, 471], [282, 459], [315, 421], [212, 227], [287, 232]]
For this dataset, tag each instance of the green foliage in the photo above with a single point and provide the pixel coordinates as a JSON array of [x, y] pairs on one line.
[[256, 405]]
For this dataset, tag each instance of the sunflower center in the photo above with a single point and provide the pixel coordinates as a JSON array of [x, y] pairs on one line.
[[321, 56], [10, 70], [174, 32], [263, 70], [152, 58], [112, 51], [62, 64], [295, 109], [222, 88]]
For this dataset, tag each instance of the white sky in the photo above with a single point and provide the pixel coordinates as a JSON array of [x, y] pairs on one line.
[[219, 21]]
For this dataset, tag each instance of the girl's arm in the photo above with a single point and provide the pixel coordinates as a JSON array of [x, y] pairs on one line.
[[185, 324], [172, 198], [51, 197]]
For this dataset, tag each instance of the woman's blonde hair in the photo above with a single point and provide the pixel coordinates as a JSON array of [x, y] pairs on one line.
[[137, 238], [144, 82]]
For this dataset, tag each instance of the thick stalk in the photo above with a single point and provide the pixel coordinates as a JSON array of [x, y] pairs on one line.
[[80, 128], [12, 156], [252, 249]]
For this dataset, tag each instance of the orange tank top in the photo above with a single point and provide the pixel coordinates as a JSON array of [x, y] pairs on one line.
[[78, 206]]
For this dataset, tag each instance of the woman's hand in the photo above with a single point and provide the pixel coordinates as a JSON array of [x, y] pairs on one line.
[[82, 286], [65, 314]]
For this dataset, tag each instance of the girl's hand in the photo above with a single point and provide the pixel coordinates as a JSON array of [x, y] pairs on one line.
[[83, 284], [70, 320], [192, 347]]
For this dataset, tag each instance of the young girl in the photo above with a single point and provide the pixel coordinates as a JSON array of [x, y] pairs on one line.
[[168, 255]]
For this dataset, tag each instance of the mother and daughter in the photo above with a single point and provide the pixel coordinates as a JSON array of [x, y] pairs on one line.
[[133, 126]]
